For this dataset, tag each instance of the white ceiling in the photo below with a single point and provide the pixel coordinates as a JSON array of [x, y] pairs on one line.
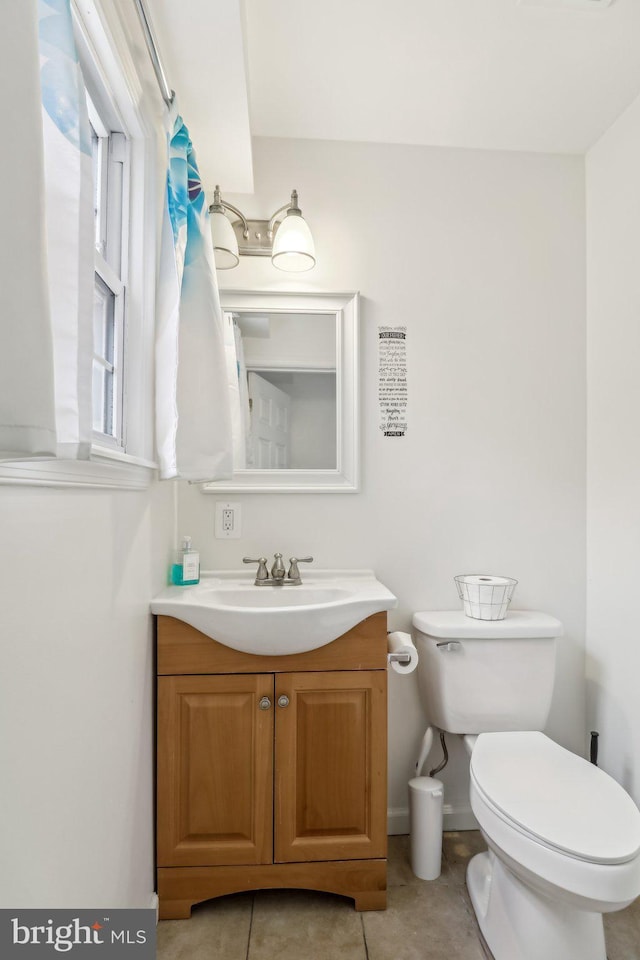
[[540, 75], [202, 49]]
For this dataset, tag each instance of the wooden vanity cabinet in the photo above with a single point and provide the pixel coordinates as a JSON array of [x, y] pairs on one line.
[[271, 770]]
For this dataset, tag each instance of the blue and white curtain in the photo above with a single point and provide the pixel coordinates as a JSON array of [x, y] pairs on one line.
[[193, 419], [47, 242]]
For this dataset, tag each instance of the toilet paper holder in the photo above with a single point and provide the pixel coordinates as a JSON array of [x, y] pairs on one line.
[[402, 656], [398, 658]]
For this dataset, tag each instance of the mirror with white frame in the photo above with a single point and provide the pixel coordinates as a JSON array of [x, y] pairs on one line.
[[297, 409]]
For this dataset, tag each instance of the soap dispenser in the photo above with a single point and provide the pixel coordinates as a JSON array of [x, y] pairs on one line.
[[185, 570]]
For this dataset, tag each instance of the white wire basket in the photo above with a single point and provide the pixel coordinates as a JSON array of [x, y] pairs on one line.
[[485, 597]]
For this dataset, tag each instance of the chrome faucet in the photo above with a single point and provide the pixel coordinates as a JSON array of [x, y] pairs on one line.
[[278, 578], [277, 569]]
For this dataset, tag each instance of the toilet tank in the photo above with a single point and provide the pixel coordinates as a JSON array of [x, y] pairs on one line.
[[479, 676]]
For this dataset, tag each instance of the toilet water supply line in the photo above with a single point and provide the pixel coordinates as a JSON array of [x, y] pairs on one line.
[[402, 653], [425, 748]]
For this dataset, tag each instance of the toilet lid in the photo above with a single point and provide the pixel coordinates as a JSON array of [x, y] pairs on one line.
[[517, 625], [556, 797]]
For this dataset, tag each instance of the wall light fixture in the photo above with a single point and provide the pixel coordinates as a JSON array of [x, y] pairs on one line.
[[288, 241]]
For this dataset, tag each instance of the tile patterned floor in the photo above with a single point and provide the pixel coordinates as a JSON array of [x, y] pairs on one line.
[[424, 920]]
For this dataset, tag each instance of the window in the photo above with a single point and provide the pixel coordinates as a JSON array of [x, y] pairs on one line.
[[128, 148], [111, 218], [128, 155]]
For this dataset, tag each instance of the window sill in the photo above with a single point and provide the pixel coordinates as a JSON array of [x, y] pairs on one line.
[[106, 470]]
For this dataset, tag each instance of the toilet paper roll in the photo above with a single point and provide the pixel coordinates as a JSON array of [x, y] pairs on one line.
[[485, 589], [399, 642]]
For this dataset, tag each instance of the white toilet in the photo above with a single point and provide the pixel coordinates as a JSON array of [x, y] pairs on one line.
[[563, 836]]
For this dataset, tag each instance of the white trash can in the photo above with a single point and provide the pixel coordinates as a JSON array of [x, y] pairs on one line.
[[425, 819]]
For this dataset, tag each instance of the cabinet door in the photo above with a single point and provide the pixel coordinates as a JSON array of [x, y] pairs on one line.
[[331, 754], [215, 770]]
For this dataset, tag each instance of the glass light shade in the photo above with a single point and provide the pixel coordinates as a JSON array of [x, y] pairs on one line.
[[225, 242], [293, 248]]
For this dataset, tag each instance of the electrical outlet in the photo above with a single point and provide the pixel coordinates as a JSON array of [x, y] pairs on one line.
[[228, 525]]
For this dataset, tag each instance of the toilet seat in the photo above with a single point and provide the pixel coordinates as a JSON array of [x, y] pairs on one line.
[[555, 798]]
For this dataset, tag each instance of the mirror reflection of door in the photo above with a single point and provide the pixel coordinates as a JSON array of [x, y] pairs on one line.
[[309, 422], [270, 424]]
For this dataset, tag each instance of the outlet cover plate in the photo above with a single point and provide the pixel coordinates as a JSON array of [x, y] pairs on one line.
[[228, 520]]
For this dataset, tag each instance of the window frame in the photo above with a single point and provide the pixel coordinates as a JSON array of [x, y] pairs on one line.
[[112, 206]]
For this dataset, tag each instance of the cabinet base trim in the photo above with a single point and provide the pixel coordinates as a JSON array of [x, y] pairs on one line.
[[179, 888]]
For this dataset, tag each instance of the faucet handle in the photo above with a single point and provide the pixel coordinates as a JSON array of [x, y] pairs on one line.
[[294, 573], [263, 573]]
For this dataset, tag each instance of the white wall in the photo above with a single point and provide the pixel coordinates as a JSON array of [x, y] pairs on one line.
[[78, 570], [489, 277], [613, 245]]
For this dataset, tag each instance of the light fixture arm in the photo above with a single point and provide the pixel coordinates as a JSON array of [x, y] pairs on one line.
[[292, 209], [219, 207]]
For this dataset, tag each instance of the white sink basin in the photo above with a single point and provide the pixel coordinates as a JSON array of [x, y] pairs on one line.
[[271, 621]]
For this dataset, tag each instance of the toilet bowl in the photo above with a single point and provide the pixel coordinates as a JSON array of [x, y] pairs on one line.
[[563, 837], [564, 848]]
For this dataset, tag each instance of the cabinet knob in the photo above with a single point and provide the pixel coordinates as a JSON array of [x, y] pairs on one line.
[[283, 701], [264, 703]]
